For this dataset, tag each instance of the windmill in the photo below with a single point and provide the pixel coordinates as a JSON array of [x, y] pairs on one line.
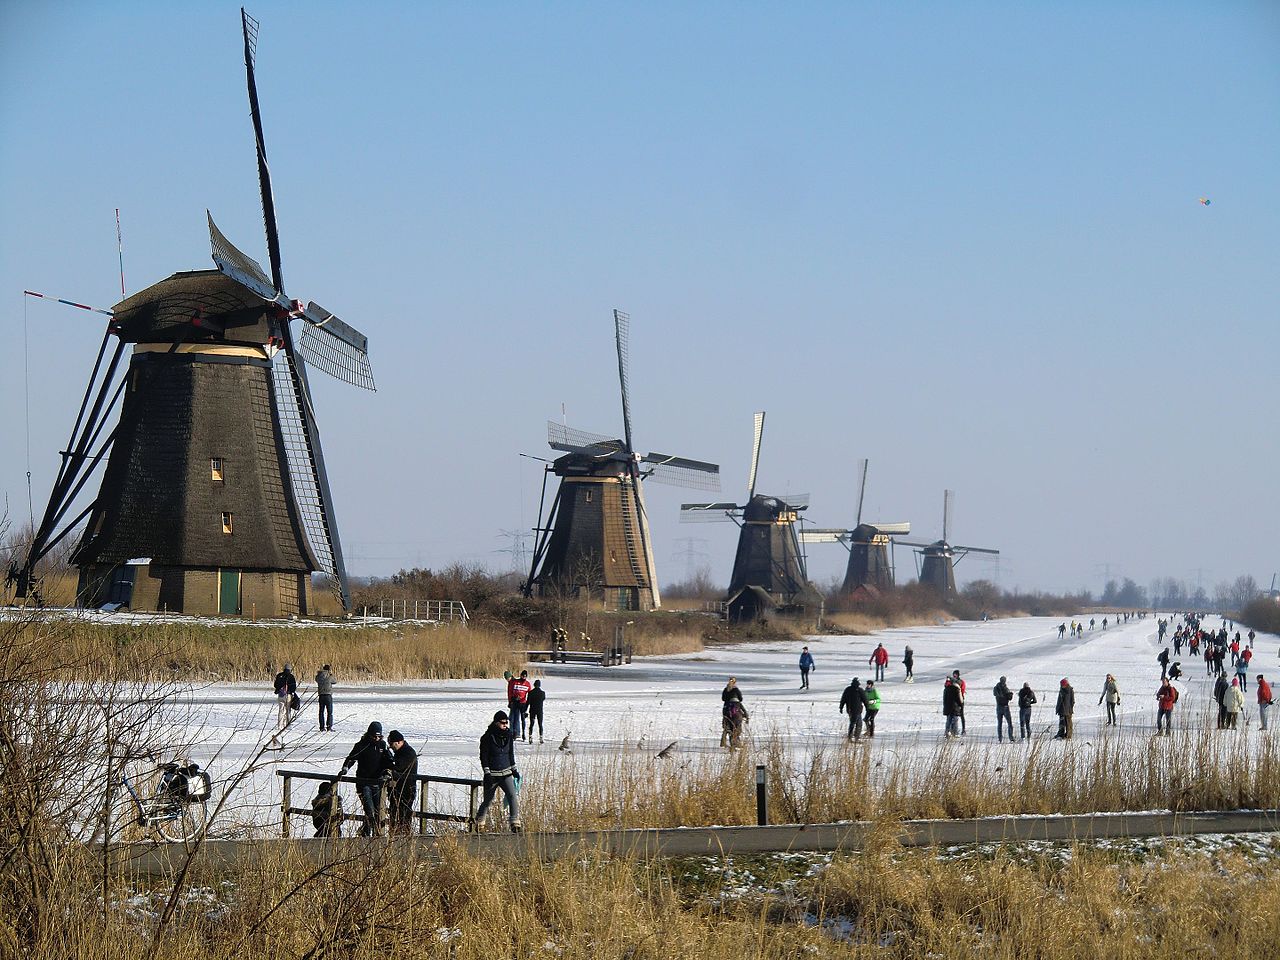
[[769, 573], [870, 569], [596, 535], [938, 559], [215, 497]]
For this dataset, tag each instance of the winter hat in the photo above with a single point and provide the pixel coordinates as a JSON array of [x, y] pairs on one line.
[[1235, 683], [537, 683], [394, 737], [499, 716], [374, 727], [1064, 681], [1004, 679]]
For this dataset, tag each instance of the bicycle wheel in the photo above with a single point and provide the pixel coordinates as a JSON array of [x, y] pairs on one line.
[[178, 820]]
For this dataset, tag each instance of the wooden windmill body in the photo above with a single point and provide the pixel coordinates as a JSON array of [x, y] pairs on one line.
[[214, 498], [938, 559], [769, 572], [596, 539]]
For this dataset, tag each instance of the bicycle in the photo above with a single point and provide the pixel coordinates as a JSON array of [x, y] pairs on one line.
[[178, 807]]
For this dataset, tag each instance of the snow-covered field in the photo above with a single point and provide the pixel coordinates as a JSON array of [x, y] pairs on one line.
[[654, 701]]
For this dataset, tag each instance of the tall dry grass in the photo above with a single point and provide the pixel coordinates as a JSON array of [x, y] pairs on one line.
[[821, 783], [190, 649]]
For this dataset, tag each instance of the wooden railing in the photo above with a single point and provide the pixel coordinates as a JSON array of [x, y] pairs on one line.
[[422, 814]]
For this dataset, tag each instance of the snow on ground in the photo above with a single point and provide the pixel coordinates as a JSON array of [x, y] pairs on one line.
[[676, 698]]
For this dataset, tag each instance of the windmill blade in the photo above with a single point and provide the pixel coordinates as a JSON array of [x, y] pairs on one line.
[[947, 497], [703, 512], [821, 535], [264, 174], [912, 543], [862, 492], [336, 348], [570, 440], [239, 266], [622, 335], [681, 472], [891, 529], [987, 550], [755, 455]]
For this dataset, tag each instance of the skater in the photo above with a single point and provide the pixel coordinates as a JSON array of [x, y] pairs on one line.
[[908, 660], [806, 664], [952, 706], [1163, 660], [324, 695], [1066, 706], [1242, 673], [285, 686], [373, 763], [1110, 694], [1003, 697], [1175, 670], [1026, 697], [1220, 694], [854, 701], [518, 702], [1265, 700], [1166, 697], [733, 714], [1235, 705], [537, 697], [964, 695], [326, 811], [403, 789], [873, 707], [879, 658], [1062, 629], [498, 760]]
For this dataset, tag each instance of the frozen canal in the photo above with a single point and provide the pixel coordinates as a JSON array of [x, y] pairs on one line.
[[653, 701]]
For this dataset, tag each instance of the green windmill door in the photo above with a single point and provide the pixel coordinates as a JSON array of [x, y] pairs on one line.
[[229, 592]]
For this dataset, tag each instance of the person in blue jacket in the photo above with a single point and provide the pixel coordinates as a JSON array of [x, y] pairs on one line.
[[806, 664]]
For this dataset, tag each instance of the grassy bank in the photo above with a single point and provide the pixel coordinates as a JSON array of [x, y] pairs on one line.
[[194, 650]]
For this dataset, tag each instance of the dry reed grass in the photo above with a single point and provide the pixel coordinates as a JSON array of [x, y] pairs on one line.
[[861, 623], [1190, 771], [232, 651]]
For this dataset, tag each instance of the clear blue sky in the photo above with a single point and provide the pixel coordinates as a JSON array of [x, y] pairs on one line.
[[963, 240]]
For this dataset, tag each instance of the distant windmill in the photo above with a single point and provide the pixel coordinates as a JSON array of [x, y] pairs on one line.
[[769, 573], [938, 559], [596, 536], [870, 567]]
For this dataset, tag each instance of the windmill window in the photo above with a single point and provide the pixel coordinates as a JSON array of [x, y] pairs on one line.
[[226, 523], [589, 492], [215, 468]]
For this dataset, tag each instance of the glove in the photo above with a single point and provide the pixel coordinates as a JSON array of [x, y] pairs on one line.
[[515, 774]]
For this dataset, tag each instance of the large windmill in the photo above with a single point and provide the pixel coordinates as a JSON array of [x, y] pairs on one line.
[[215, 497], [938, 559], [596, 536], [870, 566], [769, 575]]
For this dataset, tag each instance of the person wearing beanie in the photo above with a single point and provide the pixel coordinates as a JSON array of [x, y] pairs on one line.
[[854, 702], [537, 697], [1265, 700], [1004, 696], [498, 760], [373, 763], [286, 689], [873, 707], [1026, 699], [403, 789], [1065, 707]]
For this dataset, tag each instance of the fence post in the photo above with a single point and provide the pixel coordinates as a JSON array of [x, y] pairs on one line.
[[762, 795], [472, 807], [422, 807], [286, 797]]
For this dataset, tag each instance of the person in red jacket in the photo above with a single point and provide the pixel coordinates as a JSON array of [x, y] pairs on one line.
[[1265, 700], [879, 658], [518, 701], [1166, 697]]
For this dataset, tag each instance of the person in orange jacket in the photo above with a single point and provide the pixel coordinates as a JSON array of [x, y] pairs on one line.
[[879, 659]]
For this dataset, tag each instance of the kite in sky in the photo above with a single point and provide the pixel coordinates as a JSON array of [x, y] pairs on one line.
[[1204, 201]]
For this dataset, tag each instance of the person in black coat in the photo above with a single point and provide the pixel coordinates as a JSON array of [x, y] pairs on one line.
[[1026, 697], [731, 716], [854, 701], [1220, 695], [1003, 697], [373, 763], [498, 760], [537, 697], [952, 706], [403, 789]]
